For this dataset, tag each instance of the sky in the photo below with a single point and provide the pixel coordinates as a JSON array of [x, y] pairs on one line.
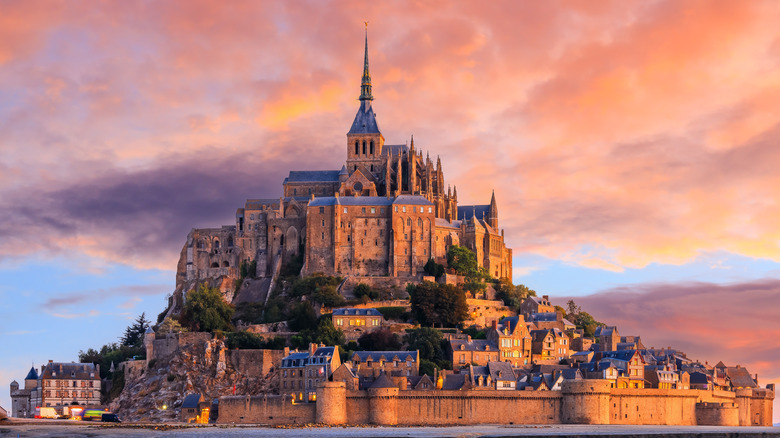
[[632, 147]]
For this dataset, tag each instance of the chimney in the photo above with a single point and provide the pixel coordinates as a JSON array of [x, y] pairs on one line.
[[495, 324], [312, 348], [546, 298], [286, 351], [468, 338]]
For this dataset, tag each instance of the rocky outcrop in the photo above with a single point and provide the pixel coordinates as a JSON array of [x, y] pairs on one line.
[[156, 393]]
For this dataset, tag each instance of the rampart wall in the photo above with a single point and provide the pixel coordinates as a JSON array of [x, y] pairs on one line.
[[580, 402], [270, 409]]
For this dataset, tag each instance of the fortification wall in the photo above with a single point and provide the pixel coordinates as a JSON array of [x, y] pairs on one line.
[[583, 402], [495, 407], [717, 414], [653, 406], [268, 409]]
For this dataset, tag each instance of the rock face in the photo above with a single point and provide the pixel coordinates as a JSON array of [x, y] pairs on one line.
[[155, 394]]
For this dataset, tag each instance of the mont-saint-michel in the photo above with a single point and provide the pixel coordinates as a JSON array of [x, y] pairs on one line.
[[369, 292]]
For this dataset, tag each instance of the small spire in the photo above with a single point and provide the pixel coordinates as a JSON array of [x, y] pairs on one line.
[[365, 82]]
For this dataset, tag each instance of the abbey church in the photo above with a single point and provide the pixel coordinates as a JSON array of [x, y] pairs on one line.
[[385, 212]]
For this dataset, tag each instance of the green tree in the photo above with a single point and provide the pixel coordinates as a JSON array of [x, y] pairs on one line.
[[328, 296], [243, 340], [380, 340], [431, 345], [434, 303], [170, 325], [304, 317], [325, 333], [206, 310], [462, 260], [134, 334], [433, 268], [364, 290]]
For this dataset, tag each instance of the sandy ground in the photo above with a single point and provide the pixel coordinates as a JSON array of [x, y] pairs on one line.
[[70, 429]]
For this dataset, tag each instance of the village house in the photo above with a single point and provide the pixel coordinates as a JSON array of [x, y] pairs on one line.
[[513, 340], [533, 305], [549, 345], [355, 321], [472, 351], [302, 371], [64, 384], [369, 365]]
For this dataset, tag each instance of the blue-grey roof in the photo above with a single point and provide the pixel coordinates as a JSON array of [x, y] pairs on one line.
[[393, 149], [474, 345], [467, 211], [32, 375], [303, 176], [354, 311], [453, 382], [441, 222], [544, 317], [191, 401], [501, 371], [375, 356], [324, 352], [626, 355], [365, 120], [350, 200], [412, 200]]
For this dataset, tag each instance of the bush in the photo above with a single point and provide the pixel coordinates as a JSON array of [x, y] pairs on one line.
[[152, 363], [243, 340], [206, 310], [380, 340], [364, 290], [433, 268], [394, 313]]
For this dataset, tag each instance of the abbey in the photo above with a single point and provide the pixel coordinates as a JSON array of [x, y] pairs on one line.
[[385, 212]]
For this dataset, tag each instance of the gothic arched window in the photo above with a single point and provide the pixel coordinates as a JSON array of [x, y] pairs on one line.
[[372, 147], [364, 147], [409, 222], [357, 147]]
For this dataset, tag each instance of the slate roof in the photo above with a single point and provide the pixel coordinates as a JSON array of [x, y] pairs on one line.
[[474, 345], [411, 200], [375, 356], [324, 352], [544, 317], [465, 212], [501, 371], [365, 120], [347, 311], [740, 377], [302, 176], [392, 149], [699, 378], [453, 382], [441, 222], [625, 355], [572, 374], [32, 375], [80, 371], [382, 382], [191, 401], [351, 200], [605, 331], [512, 321]]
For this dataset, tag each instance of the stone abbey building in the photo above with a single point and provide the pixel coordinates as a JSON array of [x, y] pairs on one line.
[[385, 212]]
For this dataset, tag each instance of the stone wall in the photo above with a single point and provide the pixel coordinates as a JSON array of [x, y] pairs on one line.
[[582, 402], [255, 362], [165, 345], [270, 409]]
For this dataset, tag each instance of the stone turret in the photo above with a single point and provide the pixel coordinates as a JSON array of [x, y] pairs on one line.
[[585, 401], [149, 337], [383, 402], [332, 403]]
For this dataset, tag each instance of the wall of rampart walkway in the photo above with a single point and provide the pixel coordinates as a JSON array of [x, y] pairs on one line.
[[580, 402]]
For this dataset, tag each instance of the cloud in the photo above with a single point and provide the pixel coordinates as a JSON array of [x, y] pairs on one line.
[[134, 293], [616, 134], [736, 323]]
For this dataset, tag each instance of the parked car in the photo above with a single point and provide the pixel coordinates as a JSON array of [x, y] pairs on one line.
[[110, 418]]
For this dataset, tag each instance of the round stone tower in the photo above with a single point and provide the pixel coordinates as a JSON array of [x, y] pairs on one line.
[[332, 403], [383, 402], [149, 344], [585, 402]]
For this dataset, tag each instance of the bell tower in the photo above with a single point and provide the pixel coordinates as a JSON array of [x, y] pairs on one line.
[[364, 140]]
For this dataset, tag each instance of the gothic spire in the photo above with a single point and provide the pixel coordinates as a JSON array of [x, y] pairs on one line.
[[365, 82]]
